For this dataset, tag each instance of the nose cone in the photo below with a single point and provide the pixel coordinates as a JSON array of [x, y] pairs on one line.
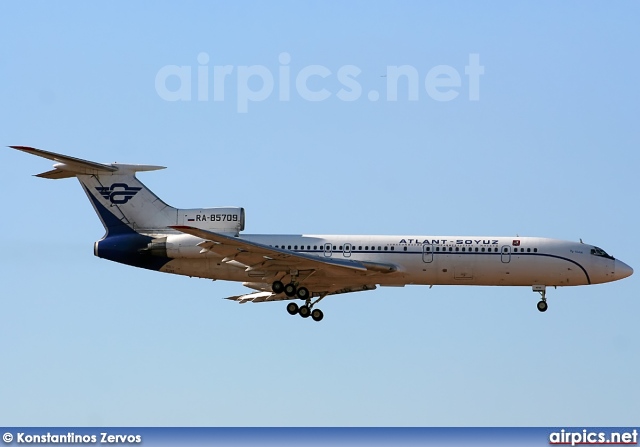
[[622, 270]]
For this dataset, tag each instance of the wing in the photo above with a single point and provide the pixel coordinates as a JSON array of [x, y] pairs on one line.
[[263, 257], [325, 275]]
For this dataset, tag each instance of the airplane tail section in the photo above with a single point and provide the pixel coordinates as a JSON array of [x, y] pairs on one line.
[[133, 216], [121, 201]]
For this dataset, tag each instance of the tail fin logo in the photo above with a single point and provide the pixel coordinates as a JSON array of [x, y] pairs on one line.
[[118, 193]]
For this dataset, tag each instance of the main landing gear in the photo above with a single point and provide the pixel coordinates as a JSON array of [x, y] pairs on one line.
[[306, 310], [542, 304], [290, 290]]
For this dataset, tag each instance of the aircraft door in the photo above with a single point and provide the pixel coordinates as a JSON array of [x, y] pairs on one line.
[[427, 253], [506, 253], [347, 250], [327, 250]]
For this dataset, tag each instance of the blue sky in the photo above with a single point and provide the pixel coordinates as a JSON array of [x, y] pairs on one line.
[[548, 149]]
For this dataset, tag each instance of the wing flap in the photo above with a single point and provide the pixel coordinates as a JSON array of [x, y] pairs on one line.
[[266, 296], [259, 297]]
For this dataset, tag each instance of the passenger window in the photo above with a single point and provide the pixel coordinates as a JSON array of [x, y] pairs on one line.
[[392, 248], [366, 247], [289, 247], [528, 250], [385, 248], [482, 249], [535, 250], [405, 248], [450, 248]]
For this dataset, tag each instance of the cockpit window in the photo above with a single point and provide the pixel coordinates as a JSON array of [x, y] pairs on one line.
[[596, 251]]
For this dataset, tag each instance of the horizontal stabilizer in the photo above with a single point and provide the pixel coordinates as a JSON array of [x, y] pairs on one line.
[[56, 174], [70, 166]]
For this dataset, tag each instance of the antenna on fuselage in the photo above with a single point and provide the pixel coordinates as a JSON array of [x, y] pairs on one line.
[[581, 241]]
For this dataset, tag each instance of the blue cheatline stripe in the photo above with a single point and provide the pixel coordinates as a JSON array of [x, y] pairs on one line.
[[569, 260], [440, 253], [115, 227]]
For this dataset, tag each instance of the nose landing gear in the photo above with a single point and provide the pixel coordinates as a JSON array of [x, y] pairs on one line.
[[542, 304]]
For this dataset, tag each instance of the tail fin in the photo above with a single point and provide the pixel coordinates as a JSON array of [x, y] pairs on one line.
[[121, 201], [132, 215]]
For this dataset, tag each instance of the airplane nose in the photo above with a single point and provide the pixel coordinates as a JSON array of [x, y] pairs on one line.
[[622, 270]]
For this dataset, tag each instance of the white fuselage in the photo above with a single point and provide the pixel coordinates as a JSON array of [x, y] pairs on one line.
[[427, 260]]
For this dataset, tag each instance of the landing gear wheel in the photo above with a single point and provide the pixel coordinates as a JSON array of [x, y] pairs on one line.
[[303, 293], [317, 314], [292, 308], [277, 287], [542, 290], [290, 290], [542, 306], [304, 311]]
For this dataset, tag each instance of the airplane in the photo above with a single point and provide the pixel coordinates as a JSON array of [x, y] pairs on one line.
[[143, 231]]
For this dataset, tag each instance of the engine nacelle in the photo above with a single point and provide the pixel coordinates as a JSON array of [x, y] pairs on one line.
[[220, 220], [175, 246], [229, 220]]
